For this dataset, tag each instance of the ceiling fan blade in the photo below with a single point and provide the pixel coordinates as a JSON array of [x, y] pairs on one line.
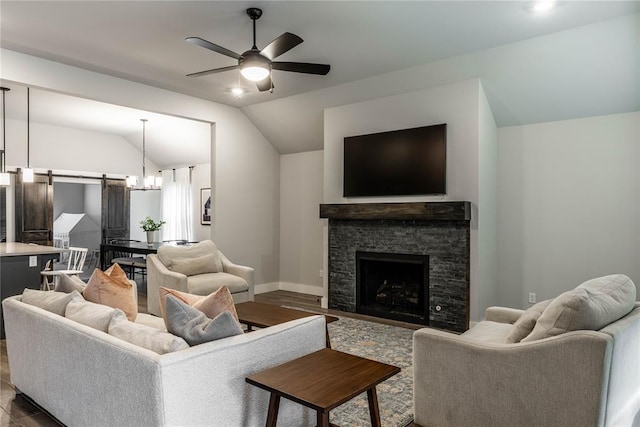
[[282, 44], [265, 85], [214, 47], [213, 71], [301, 67]]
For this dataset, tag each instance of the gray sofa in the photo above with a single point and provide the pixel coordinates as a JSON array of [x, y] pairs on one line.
[[86, 377], [578, 378], [198, 269]]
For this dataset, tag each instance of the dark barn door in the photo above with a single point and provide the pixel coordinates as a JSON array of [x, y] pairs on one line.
[[115, 209], [34, 209]]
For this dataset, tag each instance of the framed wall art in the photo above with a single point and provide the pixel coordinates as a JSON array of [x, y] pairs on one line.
[[205, 206]]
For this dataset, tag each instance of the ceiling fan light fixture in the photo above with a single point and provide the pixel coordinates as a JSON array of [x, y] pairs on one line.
[[255, 74], [254, 66]]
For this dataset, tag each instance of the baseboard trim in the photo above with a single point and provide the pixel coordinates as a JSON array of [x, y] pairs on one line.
[[302, 288], [288, 286], [266, 287]]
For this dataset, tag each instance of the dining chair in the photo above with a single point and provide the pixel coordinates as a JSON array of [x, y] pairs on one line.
[[129, 263], [75, 265]]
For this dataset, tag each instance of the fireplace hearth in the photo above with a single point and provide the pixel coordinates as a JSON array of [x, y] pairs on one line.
[[393, 286]]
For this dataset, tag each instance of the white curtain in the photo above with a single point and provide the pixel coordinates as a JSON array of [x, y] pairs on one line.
[[177, 208]]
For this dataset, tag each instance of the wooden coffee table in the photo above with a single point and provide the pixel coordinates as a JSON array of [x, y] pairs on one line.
[[322, 381], [260, 315]]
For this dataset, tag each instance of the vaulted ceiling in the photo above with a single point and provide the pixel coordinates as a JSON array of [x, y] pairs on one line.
[[579, 59]]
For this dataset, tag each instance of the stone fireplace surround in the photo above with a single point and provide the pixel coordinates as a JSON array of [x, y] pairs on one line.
[[440, 230]]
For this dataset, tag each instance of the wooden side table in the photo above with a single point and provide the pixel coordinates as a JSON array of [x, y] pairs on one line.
[[322, 381], [263, 315]]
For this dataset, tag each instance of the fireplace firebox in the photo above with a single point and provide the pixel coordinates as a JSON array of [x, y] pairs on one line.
[[393, 286]]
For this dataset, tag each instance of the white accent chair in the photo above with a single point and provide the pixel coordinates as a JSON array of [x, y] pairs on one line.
[[75, 266], [197, 269], [586, 376]]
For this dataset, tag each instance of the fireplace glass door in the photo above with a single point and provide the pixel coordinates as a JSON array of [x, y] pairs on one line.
[[393, 286]]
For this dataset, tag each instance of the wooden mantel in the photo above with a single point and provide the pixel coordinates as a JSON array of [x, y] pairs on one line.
[[431, 211]]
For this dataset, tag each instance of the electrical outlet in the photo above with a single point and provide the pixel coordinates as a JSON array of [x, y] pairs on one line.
[[33, 261], [532, 297]]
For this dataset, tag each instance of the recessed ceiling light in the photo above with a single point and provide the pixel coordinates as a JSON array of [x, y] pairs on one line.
[[541, 6], [237, 91]]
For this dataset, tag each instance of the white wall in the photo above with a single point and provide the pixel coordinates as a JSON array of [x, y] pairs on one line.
[[301, 178], [246, 167], [200, 178], [68, 149], [487, 205], [67, 198], [569, 205], [141, 205], [459, 105], [93, 202]]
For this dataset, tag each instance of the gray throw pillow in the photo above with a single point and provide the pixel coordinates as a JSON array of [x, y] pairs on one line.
[[196, 328], [68, 284], [591, 306], [525, 323], [55, 302]]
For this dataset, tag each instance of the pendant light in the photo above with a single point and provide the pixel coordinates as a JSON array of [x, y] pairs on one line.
[[27, 173], [5, 179], [149, 182]]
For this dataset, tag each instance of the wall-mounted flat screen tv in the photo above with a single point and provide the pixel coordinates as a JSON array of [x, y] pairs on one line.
[[397, 163]]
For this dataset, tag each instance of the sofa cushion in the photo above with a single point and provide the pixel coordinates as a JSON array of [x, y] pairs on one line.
[[198, 265], [211, 305], [54, 302], [169, 254], [525, 323], [204, 284], [151, 320], [112, 288], [68, 284], [145, 336], [489, 332], [196, 328], [94, 315], [591, 306]]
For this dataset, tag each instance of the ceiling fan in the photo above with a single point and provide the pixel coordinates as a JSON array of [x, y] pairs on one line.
[[255, 64]]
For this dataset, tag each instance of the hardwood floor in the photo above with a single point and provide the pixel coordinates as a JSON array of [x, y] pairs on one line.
[[17, 410]]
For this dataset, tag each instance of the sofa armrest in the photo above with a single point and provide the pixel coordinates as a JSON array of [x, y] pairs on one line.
[[247, 273], [160, 276], [503, 314], [555, 381]]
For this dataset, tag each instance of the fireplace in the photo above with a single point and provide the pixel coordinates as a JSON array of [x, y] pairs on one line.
[[393, 286], [437, 231]]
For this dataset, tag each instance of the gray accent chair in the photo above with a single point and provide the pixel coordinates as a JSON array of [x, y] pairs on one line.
[[197, 269], [576, 378]]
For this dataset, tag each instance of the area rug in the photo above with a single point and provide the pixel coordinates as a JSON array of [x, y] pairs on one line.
[[388, 344]]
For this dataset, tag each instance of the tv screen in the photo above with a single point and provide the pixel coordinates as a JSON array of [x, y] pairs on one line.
[[397, 163]]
